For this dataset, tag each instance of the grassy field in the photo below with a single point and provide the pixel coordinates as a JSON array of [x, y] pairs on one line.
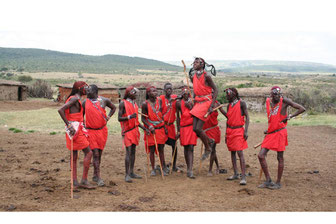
[[47, 120]]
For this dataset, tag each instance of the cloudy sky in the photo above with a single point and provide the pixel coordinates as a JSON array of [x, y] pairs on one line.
[[175, 29]]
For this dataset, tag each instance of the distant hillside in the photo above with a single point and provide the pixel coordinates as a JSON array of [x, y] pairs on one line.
[[38, 60], [245, 66]]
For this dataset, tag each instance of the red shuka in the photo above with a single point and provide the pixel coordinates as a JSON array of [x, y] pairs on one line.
[[235, 136], [155, 119], [79, 140], [211, 128], [276, 141], [95, 118], [203, 97], [187, 135], [169, 115], [129, 128]]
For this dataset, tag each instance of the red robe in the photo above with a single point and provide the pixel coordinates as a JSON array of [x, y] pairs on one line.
[[79, 139], [211, 128], [276, 141], [155, 119], [95, 123], [129, 128], [235, 136], [187, 134], [203, 97], [169, 115]]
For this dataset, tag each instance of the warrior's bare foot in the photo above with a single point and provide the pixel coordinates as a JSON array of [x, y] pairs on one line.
[[135, 176], [233, 177], [190, 175], [95, 179], [243, 181], [210, 174], [75, 183], [153, 173], [86, 185], [274, 186], [100, 183], [128, 179], [266, 184], [206, 154]]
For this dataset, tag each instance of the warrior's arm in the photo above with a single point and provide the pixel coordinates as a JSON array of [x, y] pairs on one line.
[[211, 83], [69, 104], [110, 105], [247, 118], [289, 102]]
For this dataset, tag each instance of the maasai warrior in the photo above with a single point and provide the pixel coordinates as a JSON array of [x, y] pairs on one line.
[[188, 137], [95, 123], [236, 134], [169, 117], [72, 114], [152, 108], [212, 130], [276, 134], [205, 92], [128, 118]]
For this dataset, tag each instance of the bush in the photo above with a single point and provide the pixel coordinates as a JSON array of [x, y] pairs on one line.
[[25, 78], [40, 89]]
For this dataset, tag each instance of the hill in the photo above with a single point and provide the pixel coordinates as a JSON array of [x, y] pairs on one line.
[[39, 60], [246, 66]]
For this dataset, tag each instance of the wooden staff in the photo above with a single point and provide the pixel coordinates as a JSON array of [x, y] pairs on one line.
[[173, 157], [147, 153], [257, 145], [143, 114], [216, 108], [71, 165], [157, 150], [199, 169], [184, 70]]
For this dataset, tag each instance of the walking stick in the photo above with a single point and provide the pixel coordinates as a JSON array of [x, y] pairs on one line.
[[216, 108], [199, 169], [173, 157], [184, 70], [147, 153], [71, 165], [157, 150]]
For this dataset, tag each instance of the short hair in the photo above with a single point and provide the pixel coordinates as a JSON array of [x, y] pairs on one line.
[[94, 88], [168, 83]]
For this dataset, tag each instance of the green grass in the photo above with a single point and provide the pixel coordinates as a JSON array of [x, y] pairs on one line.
[[304, 120], [46, 120]]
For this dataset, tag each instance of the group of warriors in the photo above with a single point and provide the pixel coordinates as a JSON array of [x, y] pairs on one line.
[[195, 115]]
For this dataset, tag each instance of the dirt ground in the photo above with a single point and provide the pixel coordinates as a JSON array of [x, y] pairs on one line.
[[35, 176]]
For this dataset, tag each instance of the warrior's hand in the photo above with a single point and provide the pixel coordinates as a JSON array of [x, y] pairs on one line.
[[147, 131], [177, 135], [72, 131], [245, 135], [286, 119], [133, 116], [152, 129]]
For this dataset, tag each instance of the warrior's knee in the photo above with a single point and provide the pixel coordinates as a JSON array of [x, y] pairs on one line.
[[197, 131], [261, 156]]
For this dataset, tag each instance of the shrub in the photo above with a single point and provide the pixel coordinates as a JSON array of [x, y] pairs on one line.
[[40, 89], [25, 78]]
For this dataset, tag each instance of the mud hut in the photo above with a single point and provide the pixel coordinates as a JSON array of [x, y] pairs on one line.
[[11, 90], [108, 91]]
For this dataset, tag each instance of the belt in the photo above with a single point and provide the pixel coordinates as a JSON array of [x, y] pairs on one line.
[[95, 128], [169, 123], [124, 132], [186, 125], [159, 127], [276, 130], [234, 127]]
